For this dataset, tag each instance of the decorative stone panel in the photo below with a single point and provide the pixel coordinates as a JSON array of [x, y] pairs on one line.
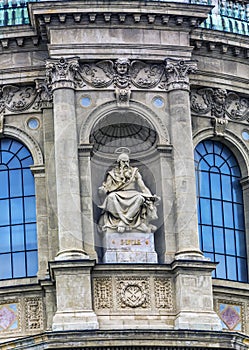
[[33, 314], [232, 315], [103, 296], [133, 293], [21, 315], [219, 103], [163, 294], [21, 98]]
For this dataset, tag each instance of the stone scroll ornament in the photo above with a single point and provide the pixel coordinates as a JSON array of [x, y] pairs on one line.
[[122, 74], [127, 204], [220, 104], [20, 98]]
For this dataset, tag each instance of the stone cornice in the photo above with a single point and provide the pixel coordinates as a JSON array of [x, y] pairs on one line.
[[207, 40], [142, 339], [19, 34], [131, 13]]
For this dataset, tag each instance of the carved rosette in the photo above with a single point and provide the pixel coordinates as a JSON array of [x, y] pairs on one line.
[[219, 103], [62, 72], [177, 72]]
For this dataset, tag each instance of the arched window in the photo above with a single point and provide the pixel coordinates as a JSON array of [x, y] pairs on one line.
[[220, 210], [18, 242]]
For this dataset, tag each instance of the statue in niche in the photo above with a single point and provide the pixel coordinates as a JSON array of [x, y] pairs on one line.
[[128, 204]]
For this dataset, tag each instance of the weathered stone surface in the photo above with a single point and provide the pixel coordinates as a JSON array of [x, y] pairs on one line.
[[129, 247], [147, 289]]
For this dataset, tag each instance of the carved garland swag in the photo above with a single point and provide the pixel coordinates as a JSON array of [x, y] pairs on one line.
[[123, 75], [219, 103]]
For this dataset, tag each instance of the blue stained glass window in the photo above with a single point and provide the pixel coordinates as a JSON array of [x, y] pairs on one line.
[[220, 210], [18, 240]]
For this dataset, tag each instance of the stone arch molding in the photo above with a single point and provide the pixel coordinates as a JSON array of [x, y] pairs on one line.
[[142, 110], [235, 143], [27, 140]]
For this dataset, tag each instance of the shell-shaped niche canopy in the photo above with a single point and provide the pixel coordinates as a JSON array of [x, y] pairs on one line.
[[123, 129]]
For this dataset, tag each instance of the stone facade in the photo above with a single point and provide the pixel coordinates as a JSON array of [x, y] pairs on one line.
[[82, 80]]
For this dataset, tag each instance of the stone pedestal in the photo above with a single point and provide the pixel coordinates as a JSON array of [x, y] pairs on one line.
[[73, 296], [194, 296], [129, 247]]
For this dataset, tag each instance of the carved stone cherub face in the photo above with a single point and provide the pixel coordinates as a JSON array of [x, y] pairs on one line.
[[122, 66]]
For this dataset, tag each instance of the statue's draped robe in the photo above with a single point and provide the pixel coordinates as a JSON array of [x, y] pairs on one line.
[[124, 205]]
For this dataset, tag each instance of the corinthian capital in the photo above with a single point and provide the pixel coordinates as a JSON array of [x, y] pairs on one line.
[[62, 72], [177, 72]]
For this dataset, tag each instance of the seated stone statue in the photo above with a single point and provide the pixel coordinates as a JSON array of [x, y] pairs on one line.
[[128, 205]]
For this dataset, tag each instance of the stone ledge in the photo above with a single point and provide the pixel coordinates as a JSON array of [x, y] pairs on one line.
[[138, 339]]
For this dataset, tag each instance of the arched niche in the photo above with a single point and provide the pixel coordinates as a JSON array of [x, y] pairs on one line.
[[130, 131]]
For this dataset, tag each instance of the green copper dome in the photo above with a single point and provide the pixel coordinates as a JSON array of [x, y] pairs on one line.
[[14, 12], [227, 16]]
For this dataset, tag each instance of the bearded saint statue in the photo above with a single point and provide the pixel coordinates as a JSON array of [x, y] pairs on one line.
[[128, 205]]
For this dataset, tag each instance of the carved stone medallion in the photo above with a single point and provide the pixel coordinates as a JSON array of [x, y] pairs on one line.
[[133, 293]]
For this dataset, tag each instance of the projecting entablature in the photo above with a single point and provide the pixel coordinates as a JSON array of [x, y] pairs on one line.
[[153, 31]]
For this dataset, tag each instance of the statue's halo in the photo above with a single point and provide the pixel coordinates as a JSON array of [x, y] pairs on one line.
[[122, 150]]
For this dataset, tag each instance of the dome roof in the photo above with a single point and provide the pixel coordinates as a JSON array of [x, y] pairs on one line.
[[227, 16]]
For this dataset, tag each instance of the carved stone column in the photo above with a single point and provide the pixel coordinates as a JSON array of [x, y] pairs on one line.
[[194, 298], [61, 73], [41, 215], [86, 199], [71, 269], [181, 136]]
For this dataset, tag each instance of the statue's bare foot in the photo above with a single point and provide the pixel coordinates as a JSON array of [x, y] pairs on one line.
[[121, 229]]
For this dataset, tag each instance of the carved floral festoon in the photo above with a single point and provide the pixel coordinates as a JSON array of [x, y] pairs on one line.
[[219, 103], [122, 75]]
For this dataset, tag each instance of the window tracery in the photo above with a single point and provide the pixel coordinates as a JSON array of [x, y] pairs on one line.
[[18, 241], [220, 210]]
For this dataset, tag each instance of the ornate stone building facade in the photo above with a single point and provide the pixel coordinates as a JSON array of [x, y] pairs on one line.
[[124, 197]]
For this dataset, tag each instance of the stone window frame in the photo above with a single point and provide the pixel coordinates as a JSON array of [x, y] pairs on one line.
[[240, 150], [38, 170]]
